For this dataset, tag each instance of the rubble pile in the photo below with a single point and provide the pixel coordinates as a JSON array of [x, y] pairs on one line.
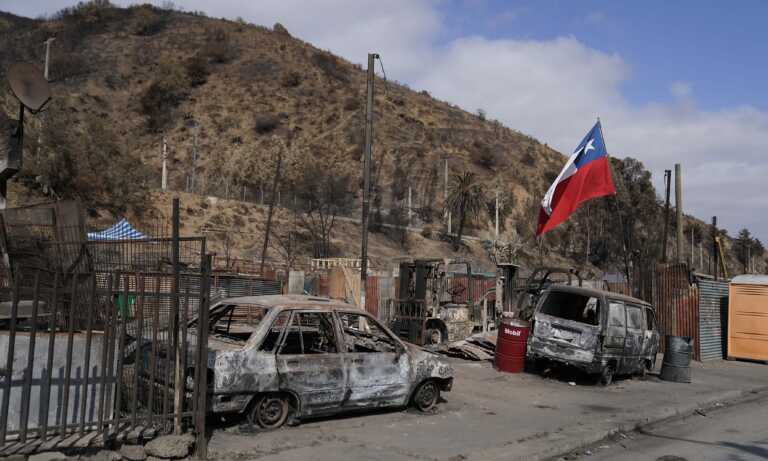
[[169, 447], [476, 347]]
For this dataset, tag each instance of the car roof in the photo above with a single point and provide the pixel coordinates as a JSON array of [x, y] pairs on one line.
[[595, 292], [291, 302]]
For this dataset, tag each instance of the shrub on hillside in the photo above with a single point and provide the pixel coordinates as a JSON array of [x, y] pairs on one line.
[[164, 94], [219, 47], [149, 21], [484, 156], [266, 123], [197, 70], [352, 103], [291, 79], [330, 66]]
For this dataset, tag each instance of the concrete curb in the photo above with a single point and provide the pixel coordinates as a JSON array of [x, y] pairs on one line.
[[729, 398]]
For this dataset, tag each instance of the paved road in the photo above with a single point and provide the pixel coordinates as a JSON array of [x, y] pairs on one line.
[[494, 416], [736, 433]]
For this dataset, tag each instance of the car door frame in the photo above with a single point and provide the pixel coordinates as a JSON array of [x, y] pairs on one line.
[[313, 399], [635, 340], [387, 392], [614, 344]]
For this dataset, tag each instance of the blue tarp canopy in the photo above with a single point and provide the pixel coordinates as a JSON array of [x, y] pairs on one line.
[[122, 230]]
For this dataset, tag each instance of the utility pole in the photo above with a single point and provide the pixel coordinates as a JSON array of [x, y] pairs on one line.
[[271, 209], [47, 44], [679, 211], [713, 262], [367, 176], [47, 55], [667, 180], [191, 184], [410, 205], [693, 246], [497, 212], [445, 193], [164, 181]]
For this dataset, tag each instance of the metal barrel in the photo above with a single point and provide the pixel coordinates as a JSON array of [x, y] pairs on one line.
[[511, 346], [676, 365]]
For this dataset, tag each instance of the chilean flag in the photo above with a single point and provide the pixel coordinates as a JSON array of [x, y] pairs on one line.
[[586, 175]]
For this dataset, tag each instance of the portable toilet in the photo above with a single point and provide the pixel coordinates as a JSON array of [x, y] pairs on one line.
[[748, 317]]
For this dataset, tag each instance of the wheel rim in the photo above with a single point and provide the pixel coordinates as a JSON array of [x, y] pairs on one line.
[[272, 412], [427, 396], [435, 337]]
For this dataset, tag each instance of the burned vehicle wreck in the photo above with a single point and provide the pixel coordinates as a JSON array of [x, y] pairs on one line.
[[283, 358], [600, 333]]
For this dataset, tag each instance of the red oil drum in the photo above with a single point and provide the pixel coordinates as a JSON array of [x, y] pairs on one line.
[[511, 345]]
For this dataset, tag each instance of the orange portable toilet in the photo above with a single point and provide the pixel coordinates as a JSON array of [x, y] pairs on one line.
[[748, 317]]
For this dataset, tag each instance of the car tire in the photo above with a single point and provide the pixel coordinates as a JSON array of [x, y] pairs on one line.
[[606, 376], [270, 411], [426, 396]]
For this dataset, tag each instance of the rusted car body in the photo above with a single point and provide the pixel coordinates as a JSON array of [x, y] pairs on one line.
[[601, 333], [277, 358]]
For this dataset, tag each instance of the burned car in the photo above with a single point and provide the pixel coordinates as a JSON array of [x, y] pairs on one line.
[[283, 358], [601, 333]]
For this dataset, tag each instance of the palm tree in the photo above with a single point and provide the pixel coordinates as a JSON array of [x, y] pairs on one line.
[[465, 198]]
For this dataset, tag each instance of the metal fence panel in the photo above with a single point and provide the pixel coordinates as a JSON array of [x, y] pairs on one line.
[[713, 303]]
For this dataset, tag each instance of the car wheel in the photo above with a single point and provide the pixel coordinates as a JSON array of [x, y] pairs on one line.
[[606, 376], [434, 336], [269, 412], [426, 396]]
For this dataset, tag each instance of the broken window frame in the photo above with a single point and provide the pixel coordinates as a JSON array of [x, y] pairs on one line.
[[396, 345], [278, 341], [543, 304], [295, 314]]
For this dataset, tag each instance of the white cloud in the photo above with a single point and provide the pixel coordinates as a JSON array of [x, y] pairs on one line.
[[552, 89]]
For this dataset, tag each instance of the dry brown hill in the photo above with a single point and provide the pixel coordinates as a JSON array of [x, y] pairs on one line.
[[235, 94]]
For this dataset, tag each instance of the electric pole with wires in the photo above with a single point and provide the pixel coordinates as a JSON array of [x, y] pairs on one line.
[[367, 175]]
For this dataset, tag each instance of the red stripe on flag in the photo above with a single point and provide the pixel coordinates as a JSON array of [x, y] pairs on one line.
[[592, 180]]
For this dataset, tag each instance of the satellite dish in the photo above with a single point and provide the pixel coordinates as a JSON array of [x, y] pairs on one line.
[[29, 86]]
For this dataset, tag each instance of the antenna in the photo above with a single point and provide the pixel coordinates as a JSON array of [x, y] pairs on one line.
[[29, 86]]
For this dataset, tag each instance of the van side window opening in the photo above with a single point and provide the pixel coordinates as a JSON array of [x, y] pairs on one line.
[[572, 306], [362, 334], [651, 320], [616, 315], [635, 318]]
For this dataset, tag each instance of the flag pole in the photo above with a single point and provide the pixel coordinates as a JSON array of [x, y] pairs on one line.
[[618, 211]]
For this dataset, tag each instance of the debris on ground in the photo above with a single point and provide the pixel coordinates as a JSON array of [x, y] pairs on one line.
[[476, 347], [133, 452], [170, 446]]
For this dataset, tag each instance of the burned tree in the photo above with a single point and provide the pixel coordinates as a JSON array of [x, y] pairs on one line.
[[323, 193]]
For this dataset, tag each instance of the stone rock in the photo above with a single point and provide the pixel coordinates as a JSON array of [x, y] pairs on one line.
[[14, 458], [103, 455], [48, 456], [133, 452], [170, 446]]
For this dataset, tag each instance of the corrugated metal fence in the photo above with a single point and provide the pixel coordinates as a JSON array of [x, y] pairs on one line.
[[713, 310]]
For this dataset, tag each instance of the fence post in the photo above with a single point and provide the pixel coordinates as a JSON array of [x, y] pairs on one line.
[[178, 381], [201, 364]]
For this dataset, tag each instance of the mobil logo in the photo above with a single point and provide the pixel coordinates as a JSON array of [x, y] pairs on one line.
[[507, 331]]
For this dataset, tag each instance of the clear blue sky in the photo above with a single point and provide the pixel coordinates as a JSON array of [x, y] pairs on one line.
[[718, 47]]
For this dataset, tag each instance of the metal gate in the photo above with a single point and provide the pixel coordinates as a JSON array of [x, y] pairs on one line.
[[91, 358]]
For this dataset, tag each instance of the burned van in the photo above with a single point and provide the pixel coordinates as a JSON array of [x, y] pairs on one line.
[[601, 333]]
